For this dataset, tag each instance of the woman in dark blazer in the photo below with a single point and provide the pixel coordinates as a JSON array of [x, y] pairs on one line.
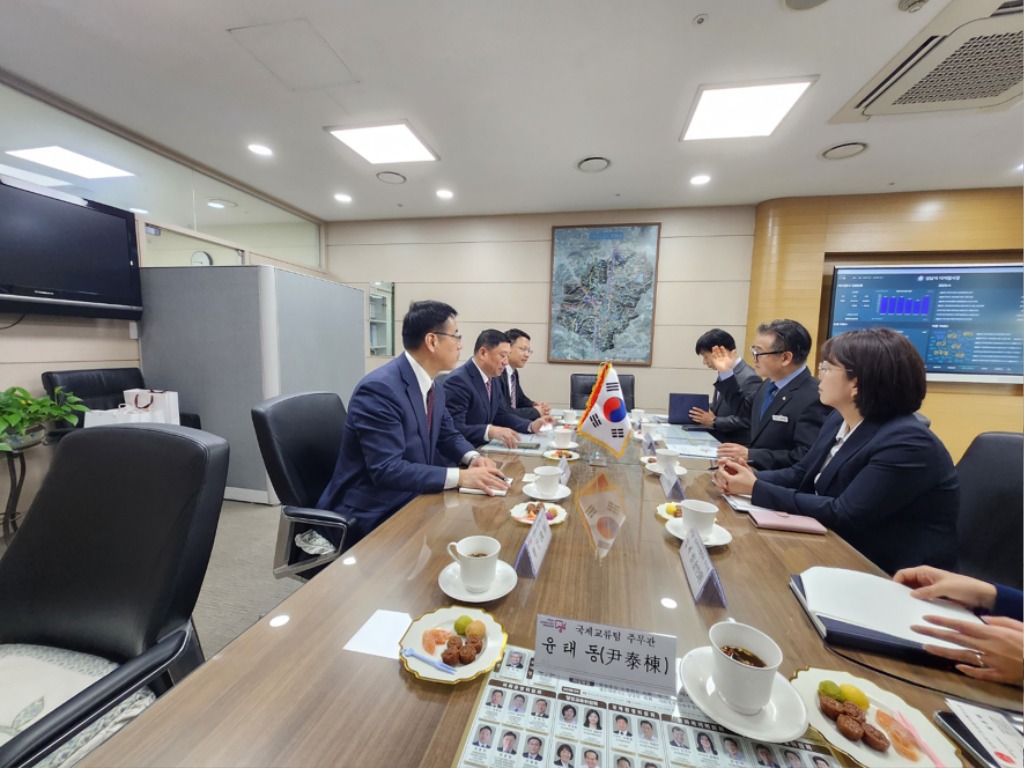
[[876, 475]]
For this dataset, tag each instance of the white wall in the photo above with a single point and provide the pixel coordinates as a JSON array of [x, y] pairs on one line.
[[496, 271]]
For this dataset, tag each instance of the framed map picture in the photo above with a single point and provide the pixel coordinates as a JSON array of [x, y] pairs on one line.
[[603, 281]]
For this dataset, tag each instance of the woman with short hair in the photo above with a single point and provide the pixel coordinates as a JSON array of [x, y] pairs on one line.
[[876, 475]]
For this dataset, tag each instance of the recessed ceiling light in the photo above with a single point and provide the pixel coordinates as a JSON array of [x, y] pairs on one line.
[[391, 177], [142, 211], [33, 178], [445, 194], [69, 162], [384, 143], [262, 151], [731, 112], [700, 179], [343, 198], [214, 202], [843, 151], [593, 164]]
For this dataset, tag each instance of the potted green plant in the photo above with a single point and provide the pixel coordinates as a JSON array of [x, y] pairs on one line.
[[22, 416]]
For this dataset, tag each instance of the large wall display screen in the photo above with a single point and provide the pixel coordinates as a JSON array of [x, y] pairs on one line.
[[966, 321]]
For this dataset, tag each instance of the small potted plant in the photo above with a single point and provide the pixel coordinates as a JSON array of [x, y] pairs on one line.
[[22, 416]]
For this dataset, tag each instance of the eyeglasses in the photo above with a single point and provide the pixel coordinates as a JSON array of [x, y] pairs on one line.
[[824, 367], [758, 355], [527, 350], [456, 336]]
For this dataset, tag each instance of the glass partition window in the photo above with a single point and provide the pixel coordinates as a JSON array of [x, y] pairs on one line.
[[382, 318]]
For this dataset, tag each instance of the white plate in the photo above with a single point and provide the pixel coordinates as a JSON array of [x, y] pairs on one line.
[[444, 618], [570, 447], [530, 489], [655, 469], [718, 537], [806, 685], [648, 460], [520, 515], [553, 454], [505, 580], [783, 719]]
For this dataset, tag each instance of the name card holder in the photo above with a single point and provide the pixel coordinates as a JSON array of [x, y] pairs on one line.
[[563, 464], [701, 575], [648, 446], [672, 486], [535, 547]]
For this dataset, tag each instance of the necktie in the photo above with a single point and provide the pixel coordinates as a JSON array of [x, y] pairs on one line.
[[514, 388], [769, 396], [487, 386], [430, 406]]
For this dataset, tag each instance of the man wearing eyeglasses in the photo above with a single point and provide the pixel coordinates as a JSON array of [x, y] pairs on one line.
[[474, 401], [399, 440], [511, 388], [785, 412]]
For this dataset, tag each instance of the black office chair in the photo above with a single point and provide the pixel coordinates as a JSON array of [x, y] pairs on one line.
[[108, 562], [101, 389], [580, 385], [300, 439], [989, 528]]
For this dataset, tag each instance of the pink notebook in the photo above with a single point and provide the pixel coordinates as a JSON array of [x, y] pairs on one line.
[[783, 521]]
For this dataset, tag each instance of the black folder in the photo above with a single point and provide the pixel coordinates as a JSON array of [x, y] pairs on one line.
[[679, 405]]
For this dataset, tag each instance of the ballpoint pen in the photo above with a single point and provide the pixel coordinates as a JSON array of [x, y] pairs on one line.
[[440, 665]]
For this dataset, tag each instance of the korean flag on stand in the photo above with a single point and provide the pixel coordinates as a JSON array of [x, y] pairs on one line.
[[605, 420]]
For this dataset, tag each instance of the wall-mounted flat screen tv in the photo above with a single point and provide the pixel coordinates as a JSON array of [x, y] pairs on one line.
[[63, 255], [967, 321]]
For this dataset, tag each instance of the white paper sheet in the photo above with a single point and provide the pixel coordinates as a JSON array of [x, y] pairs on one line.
[[381, 634]]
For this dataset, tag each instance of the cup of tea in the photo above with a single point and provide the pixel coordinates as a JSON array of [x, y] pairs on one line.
[[569, 417], [548, 479], [699, 515], [477, 557], [667, 459], [561, 436], [743, 666], [638, 416]]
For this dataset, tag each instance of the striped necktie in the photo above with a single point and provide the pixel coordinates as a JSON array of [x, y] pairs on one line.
[[513, 387], [487, 386], [430, 406]]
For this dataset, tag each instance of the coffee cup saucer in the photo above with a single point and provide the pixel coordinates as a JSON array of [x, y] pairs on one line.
[[572, 446], [531, 489], [655, 468], [718, 537], [505, 580], [783, 718]]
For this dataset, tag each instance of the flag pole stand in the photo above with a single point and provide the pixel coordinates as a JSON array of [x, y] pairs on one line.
[[598, 458]]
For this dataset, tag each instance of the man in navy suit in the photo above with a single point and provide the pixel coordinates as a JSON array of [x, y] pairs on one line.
[[399, 440], [727, 426], [515, 399], [476, 406], [785, 412]]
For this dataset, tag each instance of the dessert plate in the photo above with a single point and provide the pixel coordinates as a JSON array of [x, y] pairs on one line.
[[444, 618], [521, 515]]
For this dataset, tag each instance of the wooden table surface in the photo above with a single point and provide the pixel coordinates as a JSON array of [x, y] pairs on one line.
[[291, 696]]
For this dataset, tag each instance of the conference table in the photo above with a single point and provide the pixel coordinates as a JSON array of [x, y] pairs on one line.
[[289, 694]]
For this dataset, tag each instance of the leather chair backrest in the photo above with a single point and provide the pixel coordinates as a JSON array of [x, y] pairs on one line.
[[990, 527], [113, 550], [300, 439], [100, 388], [581, 384]]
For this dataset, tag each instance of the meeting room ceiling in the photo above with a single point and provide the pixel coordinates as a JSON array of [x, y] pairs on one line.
[[509, 95]]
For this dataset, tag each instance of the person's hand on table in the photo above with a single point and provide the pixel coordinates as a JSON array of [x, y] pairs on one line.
[[722, 360], [483, 478], [733, 451], [930, 583], [537, 424], [992, 651], [544, 409], [734, 477], [704, 418], [483, 461], [509, 437]]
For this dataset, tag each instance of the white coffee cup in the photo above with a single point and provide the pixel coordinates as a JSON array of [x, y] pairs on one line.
[[667, 459], [700, 515], [742, 687], [561, 436], [638, 415], [477, 557], [570, 417], [548, 478]]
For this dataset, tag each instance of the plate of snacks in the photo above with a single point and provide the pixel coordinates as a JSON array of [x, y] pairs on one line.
[[561, 453], [469, 641], [670, 510], [528, 511], [871, 725], [645, 460]]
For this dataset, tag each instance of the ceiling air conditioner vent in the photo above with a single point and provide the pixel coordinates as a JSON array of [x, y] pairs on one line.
[[962, 60]]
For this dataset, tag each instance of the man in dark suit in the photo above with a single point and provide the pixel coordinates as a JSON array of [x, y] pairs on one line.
[[726, 425], [785, 412], [398, 437], [515, 399], [476, 406]]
